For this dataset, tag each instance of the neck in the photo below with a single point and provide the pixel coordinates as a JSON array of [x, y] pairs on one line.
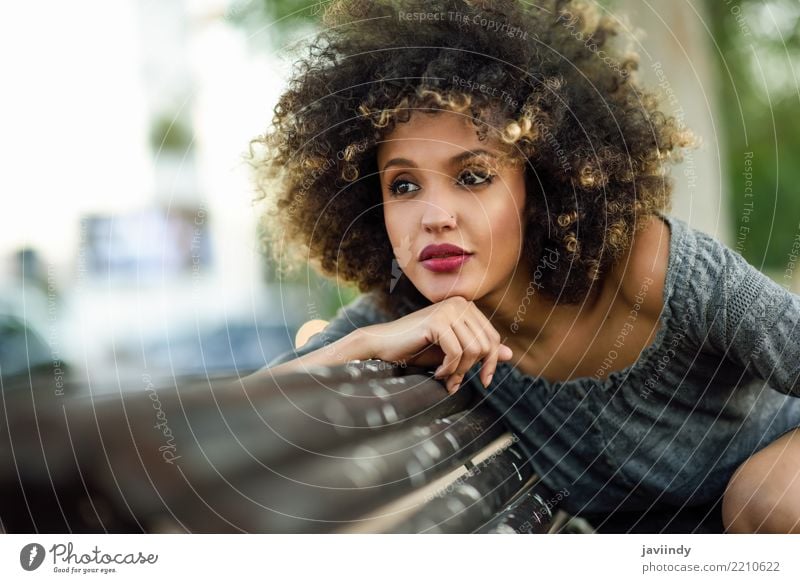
[[524, 317]]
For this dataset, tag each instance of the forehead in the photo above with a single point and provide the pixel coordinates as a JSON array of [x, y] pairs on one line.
[[446, 132]]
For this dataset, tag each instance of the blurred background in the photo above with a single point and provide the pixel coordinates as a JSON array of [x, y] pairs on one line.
[[129, 237]]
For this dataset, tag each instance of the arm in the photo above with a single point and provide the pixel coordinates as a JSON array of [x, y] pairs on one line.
[[339, 342], [453, 335], [321, 352], [753, 321]]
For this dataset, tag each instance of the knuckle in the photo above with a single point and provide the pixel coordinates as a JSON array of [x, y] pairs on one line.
[[473, 350], [482, 342], [458, 301], [439, 320], [457, 306]]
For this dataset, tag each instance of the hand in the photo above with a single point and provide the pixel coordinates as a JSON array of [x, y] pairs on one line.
[[452, 333]]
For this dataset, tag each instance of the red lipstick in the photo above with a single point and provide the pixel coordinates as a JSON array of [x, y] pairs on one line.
[[443, 257]]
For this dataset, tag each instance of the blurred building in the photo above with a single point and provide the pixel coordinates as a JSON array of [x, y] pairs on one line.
[[131, 184]]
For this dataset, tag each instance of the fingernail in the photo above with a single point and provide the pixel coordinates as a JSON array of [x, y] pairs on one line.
[[455, 388], [438, 371], [489, 380]]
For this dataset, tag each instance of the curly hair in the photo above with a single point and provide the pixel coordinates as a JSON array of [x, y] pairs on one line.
[[544, 81]]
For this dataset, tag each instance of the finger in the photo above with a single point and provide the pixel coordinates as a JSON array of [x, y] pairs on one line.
[[430, 356], [489, 346], [489, 364], [472, 352], [448, 341], [505, 353]]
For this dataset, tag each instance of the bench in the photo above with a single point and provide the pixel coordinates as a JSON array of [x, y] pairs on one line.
[[361, 447]]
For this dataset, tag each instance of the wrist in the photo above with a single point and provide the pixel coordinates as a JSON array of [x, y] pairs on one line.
[[360, 345]]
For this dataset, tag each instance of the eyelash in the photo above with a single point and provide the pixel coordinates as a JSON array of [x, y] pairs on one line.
[[487, 177]]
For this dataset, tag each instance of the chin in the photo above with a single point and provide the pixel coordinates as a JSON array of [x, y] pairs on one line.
[[439, 287], [447, 290]]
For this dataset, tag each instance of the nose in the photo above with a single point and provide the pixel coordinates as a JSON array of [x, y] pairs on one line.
[[437, 218]]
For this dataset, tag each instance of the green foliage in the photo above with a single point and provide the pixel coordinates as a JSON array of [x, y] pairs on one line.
[[326, 295], [274, 21], [759, 44], [169, 133]]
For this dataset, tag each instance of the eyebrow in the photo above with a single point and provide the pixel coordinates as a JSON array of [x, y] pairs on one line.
[[453, 161]]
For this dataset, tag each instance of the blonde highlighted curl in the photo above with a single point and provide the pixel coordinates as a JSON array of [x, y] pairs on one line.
[[593, 142]]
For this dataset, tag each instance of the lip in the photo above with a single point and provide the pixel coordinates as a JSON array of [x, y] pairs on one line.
[[445, 264], [443, 257], [441, 249]]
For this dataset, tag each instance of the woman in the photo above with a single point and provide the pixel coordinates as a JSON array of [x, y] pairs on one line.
[[492, 176]]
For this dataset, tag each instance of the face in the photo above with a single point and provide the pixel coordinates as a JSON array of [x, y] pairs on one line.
[[442, 185]]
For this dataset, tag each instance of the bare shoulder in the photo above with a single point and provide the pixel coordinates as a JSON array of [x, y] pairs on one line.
[[643, 270]]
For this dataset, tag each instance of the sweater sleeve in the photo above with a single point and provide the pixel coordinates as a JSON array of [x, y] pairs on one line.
[[362, 311], [752, 320]]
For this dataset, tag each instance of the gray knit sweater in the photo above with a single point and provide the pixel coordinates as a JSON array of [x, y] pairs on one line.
[[717, 384]]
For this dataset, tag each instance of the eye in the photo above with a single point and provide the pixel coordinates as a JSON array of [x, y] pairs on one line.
[[475, 177], [399, 187]]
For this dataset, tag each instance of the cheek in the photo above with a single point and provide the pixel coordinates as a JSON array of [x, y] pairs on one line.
[[393, 222], [398, 225], [504, 233]]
